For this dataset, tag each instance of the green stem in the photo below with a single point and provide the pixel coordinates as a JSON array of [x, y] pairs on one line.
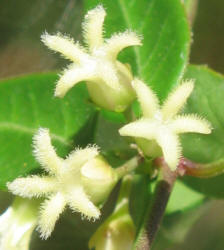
[[157, 208], [128, 167], [201, 170], [129, 114]]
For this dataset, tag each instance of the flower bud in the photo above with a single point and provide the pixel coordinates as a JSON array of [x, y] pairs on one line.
[[110, 98], [17, 224], [118, 231], [98, 179]]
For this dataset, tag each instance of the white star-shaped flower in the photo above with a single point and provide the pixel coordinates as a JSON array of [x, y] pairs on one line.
[[65, 183], [157, 132], [108, 80]]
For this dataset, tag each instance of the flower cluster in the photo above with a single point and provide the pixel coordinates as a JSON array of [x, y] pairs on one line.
[[108, 80], [66, 183], [84, 179]]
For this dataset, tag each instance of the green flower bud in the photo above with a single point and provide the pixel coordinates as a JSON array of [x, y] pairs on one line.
[[98, 179], [118, 231]]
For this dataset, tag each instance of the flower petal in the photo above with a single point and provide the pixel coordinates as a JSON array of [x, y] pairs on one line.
[[44, 152], [148, 100], [79, 157], [70, 78], [93, 27], [177, 99], [109, 75], [191, 123], [33, 186], [170, 146], [120, 41], [49, 214], [144, 128], [79, 202], [65, 46]]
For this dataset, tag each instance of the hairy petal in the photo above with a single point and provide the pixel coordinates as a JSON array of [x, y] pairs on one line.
[[148, 100], [77, 158], [44, 152], [177, 99], [70, 78], [93, 27], [170, 146], [120, 41], [107, 73], [65, 46], [144, 128], [191, 123], [33, 186], [49, 214], [79, 202]]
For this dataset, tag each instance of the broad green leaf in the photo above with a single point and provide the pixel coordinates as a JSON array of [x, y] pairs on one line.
[[206, 100], [27, 103], [139, 199], [183, 198], [139, 203], [114, 147], [162, 58]]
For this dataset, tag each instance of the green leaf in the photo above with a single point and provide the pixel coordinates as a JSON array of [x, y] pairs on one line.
[[162, 58], [183, 198], [26, 104], [206, 100], [139, 199], [114, 147], [139, 203]]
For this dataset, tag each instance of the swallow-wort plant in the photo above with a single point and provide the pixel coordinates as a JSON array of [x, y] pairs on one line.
[[108, 143]]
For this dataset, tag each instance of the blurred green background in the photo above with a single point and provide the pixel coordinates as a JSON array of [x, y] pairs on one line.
[[21, 52]]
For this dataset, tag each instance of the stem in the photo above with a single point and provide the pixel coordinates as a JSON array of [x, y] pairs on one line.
[[157, 208], [128, 167], [201, 170], [129, 114]]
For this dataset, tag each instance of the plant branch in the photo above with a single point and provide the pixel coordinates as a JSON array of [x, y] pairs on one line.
[[199, 170], [129, 166], [157, 207]]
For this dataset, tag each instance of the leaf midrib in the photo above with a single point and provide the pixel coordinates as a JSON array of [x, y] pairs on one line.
[[32, 131]]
